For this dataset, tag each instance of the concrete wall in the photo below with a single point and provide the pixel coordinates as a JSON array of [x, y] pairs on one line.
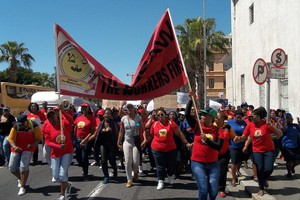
[[276, 25]]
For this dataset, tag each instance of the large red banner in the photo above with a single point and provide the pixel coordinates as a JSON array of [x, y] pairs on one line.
[[161, 69]]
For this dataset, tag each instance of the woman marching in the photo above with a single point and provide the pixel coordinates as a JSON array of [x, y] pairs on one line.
[[129, 128], [106, 139], [84, 128], [207, 144], [262, 146], [23, 139], [164, 148], [62, 150]]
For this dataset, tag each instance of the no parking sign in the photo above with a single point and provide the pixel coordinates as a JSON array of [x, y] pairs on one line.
[[260, 71]]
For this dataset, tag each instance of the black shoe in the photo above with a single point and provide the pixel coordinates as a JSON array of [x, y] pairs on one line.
[[105, 180], [288, 175]]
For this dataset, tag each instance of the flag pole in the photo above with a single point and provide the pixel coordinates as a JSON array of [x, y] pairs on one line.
[[185, 72], [58, 86]]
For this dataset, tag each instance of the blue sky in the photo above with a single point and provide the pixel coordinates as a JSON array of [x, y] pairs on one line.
[[114, 32]]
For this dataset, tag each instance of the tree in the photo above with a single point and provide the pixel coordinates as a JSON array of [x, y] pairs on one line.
[[27, 76], [190, 39], [15, 54]]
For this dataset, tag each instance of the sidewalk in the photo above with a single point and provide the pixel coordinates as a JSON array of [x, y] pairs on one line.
[[280, 187]]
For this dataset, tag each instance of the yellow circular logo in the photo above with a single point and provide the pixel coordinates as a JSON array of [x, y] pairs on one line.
[[74, 64], [60, 139]]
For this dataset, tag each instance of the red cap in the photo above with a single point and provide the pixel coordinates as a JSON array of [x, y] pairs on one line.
[[56, 108], [85, 104], [141, 111], [100, 112], [249, 113]]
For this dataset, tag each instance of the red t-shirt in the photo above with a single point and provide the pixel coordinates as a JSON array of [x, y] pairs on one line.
[[201, 151], [163, 136], [53, 137], [84, 125], [24, 138], [44, 112], [224, 134], [261, 137]]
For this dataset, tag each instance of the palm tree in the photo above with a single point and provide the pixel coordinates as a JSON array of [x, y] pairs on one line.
[[15, 54], [190, 38]]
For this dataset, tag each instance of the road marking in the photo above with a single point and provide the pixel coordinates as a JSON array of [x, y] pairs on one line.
[[95, 193]]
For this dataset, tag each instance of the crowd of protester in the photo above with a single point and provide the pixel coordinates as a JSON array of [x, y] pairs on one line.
[[204, 143]]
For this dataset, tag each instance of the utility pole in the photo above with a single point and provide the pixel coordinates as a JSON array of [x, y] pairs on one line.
[[132, 75], [204, 49]]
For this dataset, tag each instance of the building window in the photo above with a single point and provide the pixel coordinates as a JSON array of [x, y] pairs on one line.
[[211, 83], [224, 83], [251, 13], [242, 87], [211, 67]]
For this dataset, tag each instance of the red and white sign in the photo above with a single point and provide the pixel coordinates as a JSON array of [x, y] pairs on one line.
[[278, 57], [260, 71]]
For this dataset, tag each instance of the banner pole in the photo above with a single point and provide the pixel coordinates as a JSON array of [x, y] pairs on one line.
[[58, 85], [188, 80]]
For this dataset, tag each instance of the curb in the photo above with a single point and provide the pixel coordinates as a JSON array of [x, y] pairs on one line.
[[251, 187]]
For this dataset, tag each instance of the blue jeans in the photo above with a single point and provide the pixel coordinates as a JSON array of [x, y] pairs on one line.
[[207, 177], [82, 156], [163, 161], [5, 147], [60, 167], [264, 163], [19, 161]]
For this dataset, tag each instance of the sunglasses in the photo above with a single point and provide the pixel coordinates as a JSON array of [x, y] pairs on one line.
[[160, 115]]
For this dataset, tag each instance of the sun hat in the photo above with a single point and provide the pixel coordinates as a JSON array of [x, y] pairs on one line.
[[209, 111]]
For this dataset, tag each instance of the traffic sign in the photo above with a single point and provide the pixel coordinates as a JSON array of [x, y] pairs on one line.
[[277, 73], [260, 71], [278, 57]]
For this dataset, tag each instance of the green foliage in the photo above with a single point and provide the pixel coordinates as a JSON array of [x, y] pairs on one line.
[[191, 40], [27, 76], [16, 56], [19, 66]]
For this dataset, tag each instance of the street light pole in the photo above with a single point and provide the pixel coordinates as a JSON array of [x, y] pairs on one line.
[[204, 49], [132, 75]]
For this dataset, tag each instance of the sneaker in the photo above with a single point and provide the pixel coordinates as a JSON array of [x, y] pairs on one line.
[[21, 191], [6, 164], [160, 185], [222, 194], [255, 179], [68, 189], [128, 184], [19, 183], [105, 180], [53, 180], [171, 179], [61, 197], [95, 163], [140, 169]]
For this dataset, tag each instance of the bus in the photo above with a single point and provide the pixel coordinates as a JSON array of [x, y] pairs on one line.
[[17, 96]]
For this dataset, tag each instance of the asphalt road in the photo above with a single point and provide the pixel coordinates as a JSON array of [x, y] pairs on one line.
[[39, 186]]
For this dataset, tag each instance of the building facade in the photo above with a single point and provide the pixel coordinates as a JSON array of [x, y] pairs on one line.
[[258, 28]]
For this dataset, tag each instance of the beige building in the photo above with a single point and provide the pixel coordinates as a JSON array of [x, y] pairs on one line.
[[215, 78]]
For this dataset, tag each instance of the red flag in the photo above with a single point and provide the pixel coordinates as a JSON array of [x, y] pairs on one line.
[[160, 72]]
